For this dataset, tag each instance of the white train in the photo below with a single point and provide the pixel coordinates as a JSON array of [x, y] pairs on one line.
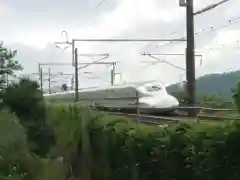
[[152, 96]]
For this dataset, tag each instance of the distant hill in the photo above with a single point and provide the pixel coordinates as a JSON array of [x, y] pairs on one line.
[[219, 84]]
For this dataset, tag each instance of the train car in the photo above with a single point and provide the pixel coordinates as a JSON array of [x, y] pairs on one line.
[[152, 96]]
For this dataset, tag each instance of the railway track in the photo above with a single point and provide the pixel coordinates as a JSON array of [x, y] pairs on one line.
[[180, 115], [161, 120]]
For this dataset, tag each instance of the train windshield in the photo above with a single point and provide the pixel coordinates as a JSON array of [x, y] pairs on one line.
[[153, 88]]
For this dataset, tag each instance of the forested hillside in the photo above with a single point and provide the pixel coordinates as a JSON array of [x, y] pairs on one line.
[[219, 84]]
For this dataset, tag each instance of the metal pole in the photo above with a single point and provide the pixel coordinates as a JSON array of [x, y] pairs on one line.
[[92, 54], [129, 40], [41, 79], [168, 54], [113, 73], [49, 81], [68, 64], [138, 107], [76, 74], [190, 57], [73, 49], [112, 77]]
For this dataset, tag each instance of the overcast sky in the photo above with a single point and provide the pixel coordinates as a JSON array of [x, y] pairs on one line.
[[31, 27]]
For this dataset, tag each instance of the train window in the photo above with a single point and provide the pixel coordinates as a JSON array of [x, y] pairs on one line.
[[153, 88], [156, 88]]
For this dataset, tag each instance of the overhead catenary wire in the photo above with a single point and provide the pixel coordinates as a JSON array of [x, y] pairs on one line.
[[166, 62], [94, 62], [230, 22], [221, 47], [211, 29], [100, 3], [210, 7], [174, 54], [154, 42]]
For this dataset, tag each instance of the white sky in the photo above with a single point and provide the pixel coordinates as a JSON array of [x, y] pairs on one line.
[[31, 27]]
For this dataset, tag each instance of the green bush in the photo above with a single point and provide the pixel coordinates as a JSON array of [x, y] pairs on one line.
[[12, 144], [65, 121], [182, 152], [50, 170], [120, 149], [25, 136], [16, 162], [26, 101]]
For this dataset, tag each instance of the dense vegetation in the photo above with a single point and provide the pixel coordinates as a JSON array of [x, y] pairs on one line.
[[39, 141], [106, 147], [218, 84]]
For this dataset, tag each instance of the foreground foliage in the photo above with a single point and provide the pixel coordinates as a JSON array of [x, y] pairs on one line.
[[7, 64], [26, 101], [113, 148], [13, 145], [16, 160], [93, 144]]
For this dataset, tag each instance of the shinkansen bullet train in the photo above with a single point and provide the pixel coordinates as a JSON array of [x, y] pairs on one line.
[[152, 97]]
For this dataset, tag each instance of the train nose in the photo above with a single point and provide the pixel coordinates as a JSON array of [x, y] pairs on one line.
[[175, 102], [167, 102]]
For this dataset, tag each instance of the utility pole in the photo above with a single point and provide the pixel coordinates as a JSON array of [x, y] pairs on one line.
[[190, 57], [190, 54], [76, 74], [113, 73], [49, 81], [40, 77], [40, 74]]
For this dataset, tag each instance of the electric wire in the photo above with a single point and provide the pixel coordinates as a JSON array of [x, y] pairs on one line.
[[166, 62], [100, 3], [221, 47], [207, 30]]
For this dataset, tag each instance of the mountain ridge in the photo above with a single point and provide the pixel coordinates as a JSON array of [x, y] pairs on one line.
[[220, 84]]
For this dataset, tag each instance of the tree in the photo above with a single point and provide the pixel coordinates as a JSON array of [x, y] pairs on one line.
[[7, 64], [27, 102], [213, 101]]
